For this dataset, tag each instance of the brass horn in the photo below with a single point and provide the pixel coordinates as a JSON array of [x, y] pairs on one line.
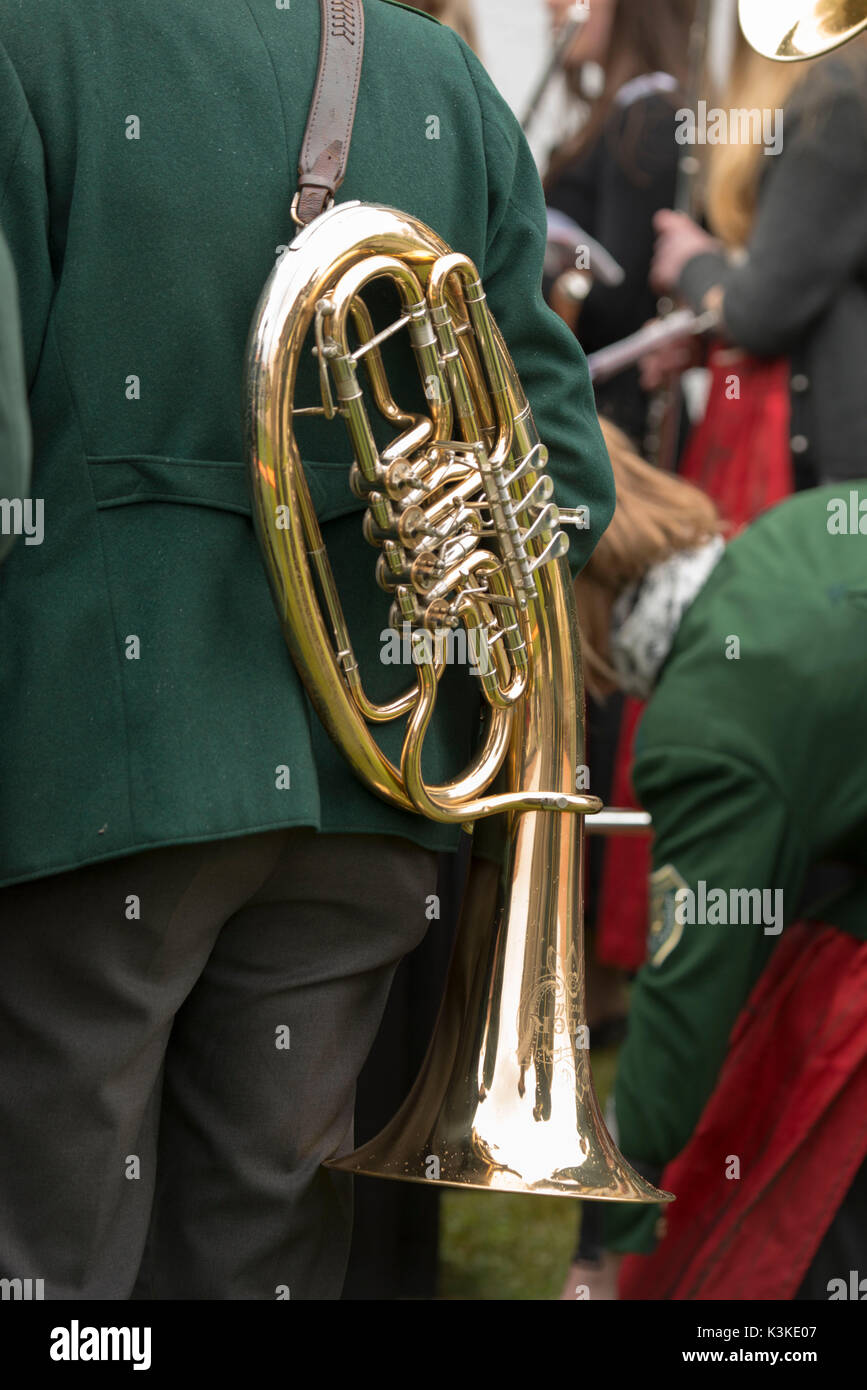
[[792, 30], [459, 509]]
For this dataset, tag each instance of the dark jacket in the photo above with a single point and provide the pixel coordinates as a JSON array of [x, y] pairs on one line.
[[140, 263], [803, 291], [612, 190]]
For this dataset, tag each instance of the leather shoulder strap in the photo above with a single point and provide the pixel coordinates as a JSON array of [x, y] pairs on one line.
[[325, 151]]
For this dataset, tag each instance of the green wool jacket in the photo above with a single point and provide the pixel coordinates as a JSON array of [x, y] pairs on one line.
[[750, 759], [14, 420], [148, 158]]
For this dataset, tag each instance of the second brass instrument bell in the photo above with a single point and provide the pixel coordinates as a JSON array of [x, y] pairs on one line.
[[792, 30]]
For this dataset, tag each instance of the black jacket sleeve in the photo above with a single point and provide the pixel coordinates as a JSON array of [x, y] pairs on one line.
[[810, 234]]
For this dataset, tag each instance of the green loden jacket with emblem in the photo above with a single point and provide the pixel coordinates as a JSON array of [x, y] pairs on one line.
[[148, 159], [750, 759], [14, 420]]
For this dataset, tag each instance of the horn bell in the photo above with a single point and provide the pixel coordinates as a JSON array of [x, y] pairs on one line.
[[504, 1101], [505, 1098], [791, 31]]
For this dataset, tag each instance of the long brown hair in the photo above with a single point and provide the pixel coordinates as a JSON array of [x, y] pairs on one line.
[[657, 514], [646, 36]]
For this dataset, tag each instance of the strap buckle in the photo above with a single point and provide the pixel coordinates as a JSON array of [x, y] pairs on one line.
[[329, 204]]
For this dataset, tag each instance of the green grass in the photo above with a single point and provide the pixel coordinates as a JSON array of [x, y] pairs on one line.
[[494, 1245]]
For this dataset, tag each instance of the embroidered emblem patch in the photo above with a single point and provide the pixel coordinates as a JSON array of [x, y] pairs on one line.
[[665, 931]]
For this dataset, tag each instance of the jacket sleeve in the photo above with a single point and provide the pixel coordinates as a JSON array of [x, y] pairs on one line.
[[14, 418], [720, 823], [24, 211], [26, 283], [549, 361], [810, 232]]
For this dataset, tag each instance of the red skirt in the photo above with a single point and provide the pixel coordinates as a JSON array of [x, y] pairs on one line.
[[791, 1106], [740, 453], [740, 456]]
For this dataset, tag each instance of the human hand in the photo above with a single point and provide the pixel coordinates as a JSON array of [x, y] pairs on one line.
[[659, 366], [678, 240]]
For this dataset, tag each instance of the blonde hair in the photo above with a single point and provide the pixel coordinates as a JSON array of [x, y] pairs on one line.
[[734, 170], [657, 514]]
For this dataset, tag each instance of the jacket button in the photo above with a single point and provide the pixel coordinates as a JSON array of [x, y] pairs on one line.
[[800, 383], [800, 444]]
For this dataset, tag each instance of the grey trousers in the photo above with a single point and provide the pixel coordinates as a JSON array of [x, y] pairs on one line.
[[180, 1036]]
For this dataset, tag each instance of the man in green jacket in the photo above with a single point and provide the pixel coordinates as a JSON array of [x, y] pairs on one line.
[[202, 907]]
